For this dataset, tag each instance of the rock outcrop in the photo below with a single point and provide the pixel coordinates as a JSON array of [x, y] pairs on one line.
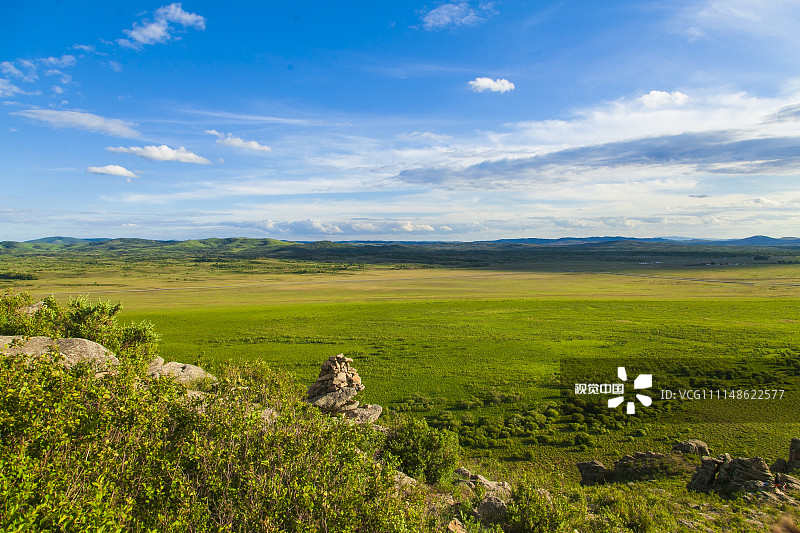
[[335, 388], [794, 455], [494, 504], [693, 446], [69, 351], [182, 373], [593, 472], [727, 475]]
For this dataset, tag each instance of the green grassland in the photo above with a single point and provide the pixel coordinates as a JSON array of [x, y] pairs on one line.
[[470, 340]]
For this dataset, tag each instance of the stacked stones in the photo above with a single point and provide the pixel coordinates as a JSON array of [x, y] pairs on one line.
[[335, 388]]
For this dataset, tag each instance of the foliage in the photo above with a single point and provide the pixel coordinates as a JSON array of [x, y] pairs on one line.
[[535, 510], [81, 319], [123, 453], [422, 452]]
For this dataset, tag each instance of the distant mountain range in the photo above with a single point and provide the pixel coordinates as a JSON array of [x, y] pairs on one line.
[[756, 240]]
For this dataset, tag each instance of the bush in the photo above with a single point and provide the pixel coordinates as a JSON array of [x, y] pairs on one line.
[[125, 453], [582, 438], [80, 318], [535, 510], [422, 452]]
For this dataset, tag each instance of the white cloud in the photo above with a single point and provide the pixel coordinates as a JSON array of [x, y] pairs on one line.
[[487, 84], [159, 30], [9, 69], [456, 14], [8, 89], [162, 153], [60, 62], [112, 170], [81, 120], [663, 99], [84, 48], [58, 89], [238, 142], [116, 66]]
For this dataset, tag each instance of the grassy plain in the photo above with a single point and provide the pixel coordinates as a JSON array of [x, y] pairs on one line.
[[456, 344], [469, 348]]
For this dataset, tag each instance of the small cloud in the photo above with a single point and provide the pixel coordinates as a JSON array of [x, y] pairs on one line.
[[81, 120], [159, 30], [84, 48], [57, 89], [162, 153], [115, 66], [60, 62], [487, 84], [7, 88], [8, 68], [130, 225], [699, 196], [111, 170], [663, 99], [424, 135], [455, 14], [238, 142]]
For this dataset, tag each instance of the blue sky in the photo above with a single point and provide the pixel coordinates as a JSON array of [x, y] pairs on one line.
[[400, 120]]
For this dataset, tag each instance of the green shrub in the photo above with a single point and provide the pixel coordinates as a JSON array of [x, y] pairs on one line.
[[535, 510], [582, 438], [422, 452], [125, 453]]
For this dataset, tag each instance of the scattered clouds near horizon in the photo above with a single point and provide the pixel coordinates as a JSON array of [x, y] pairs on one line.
[[237, 142], [82, 120], [455, 14], [480, 85], [112, 170], [160, 30], [313, 226], [161, 153]]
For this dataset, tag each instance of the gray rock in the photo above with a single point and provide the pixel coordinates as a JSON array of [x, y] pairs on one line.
[[70, 351], [349, 406], [693, 446], [365, 414], [780, 466], [794, 455], [491, 509], [463, 472], [332, 401], [182, 373], [31, 309], [704, 477], [592, 472]]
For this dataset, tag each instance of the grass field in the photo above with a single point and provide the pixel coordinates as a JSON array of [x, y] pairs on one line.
[[468, 348]]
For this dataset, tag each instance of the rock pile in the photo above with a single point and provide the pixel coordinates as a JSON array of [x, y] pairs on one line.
[[335, 388]]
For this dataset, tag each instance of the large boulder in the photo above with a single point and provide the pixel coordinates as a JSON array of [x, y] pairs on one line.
[[705, 475], [592, 472], [794, 455], [180, 372], [69, 352], [334, 400], [693, 446], [365, 414]]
